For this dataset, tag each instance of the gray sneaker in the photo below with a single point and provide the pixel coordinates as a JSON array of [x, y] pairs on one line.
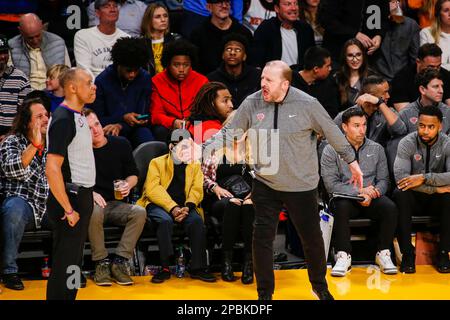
[[120, 274], [102, 276]]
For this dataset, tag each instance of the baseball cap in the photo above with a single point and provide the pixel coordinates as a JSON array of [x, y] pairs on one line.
[[3, 43], [100, 3]]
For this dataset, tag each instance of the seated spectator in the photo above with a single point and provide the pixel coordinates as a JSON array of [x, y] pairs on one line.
[[24, 184], [155, 28], [92, 46], [431, 88], [34, 50], [64, 18], [172, 193], [256, 11], [195, 12], [439, 31], [404, 88], [376, 205], [382, 121], [240, 78], [283, 37], [14, 86], [353, 69], [315, 79], [174, 89], [54, 89], [308, 13], [123, 92], [348, 19], [211, 107], [113, 161], [234, 211], [421, 170], [208, 37], [400, 45], [131, 13]]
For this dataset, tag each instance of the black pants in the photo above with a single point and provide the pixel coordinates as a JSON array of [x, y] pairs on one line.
[[412, 203], [160, 133], [68, 242], [382, 210], [304, 212], [233, 217], [193, 226]]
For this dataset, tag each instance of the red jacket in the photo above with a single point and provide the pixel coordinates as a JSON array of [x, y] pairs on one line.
[[172, 99], [208, 129]]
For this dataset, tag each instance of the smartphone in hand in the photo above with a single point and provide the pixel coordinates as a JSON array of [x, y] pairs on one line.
[[143, 117]]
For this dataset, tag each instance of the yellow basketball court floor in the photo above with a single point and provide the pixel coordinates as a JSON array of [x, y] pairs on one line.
[[362, 283]]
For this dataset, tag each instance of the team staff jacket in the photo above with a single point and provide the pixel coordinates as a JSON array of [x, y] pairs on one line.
[[283, 139], [410, 116], [416, 157], [372, 161], [171, 99]]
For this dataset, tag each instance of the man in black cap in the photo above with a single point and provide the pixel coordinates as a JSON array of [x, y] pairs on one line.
[[14, 86]]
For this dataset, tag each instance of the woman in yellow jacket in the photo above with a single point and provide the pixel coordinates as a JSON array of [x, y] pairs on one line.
[[172, 193]]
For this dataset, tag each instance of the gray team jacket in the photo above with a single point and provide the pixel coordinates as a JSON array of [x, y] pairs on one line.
[[410, 115], [378, 129], [295, 120], [372, 160], [415, 157]]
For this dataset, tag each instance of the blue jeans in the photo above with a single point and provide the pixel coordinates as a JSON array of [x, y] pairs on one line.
[[17, 216], [193, 226]]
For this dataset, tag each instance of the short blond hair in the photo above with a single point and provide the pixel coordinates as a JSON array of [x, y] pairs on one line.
[[55, 71]]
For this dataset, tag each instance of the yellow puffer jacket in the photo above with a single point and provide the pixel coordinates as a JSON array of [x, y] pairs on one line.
[[159, 177]]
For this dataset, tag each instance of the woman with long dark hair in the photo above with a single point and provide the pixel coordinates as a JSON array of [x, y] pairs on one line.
[[352, 71]]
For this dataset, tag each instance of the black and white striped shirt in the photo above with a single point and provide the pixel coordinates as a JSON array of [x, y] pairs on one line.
[[14, 86]]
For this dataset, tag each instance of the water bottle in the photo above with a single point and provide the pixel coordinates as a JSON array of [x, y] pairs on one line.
[[181, 266], [45, 270]]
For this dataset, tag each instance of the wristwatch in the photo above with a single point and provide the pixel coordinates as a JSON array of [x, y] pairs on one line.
[[380, 101]]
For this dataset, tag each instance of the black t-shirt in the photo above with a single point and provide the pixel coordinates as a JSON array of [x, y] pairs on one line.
[[69, 136], [176, 189], [404, 88], [326, 91], [113, 161]]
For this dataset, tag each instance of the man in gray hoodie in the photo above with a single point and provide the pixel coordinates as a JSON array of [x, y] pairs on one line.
[[285, 122], [376, 204], [422, 173]]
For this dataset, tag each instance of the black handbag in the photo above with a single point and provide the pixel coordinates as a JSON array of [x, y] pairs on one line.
[[236, 185]]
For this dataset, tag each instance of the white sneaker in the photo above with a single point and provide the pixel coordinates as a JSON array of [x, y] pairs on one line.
[[343, 264], [384, 261]]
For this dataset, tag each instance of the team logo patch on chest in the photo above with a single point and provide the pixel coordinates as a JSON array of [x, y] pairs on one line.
[[417, 157], [260, 116], [413, 120]]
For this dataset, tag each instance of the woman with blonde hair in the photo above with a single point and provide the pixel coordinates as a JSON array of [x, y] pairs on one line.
[[155, 27], [439, 31], [227, 182]]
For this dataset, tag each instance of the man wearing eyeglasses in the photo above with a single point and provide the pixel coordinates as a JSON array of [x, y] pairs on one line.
[[208, 36], [240, 78]]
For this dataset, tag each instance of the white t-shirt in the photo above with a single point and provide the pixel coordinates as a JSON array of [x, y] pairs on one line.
[[131, 13], [289, 50], [444, 44], [255, 15], [92, 48]]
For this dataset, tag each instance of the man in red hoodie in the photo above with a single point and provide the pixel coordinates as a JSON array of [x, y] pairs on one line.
[[174, 89]]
